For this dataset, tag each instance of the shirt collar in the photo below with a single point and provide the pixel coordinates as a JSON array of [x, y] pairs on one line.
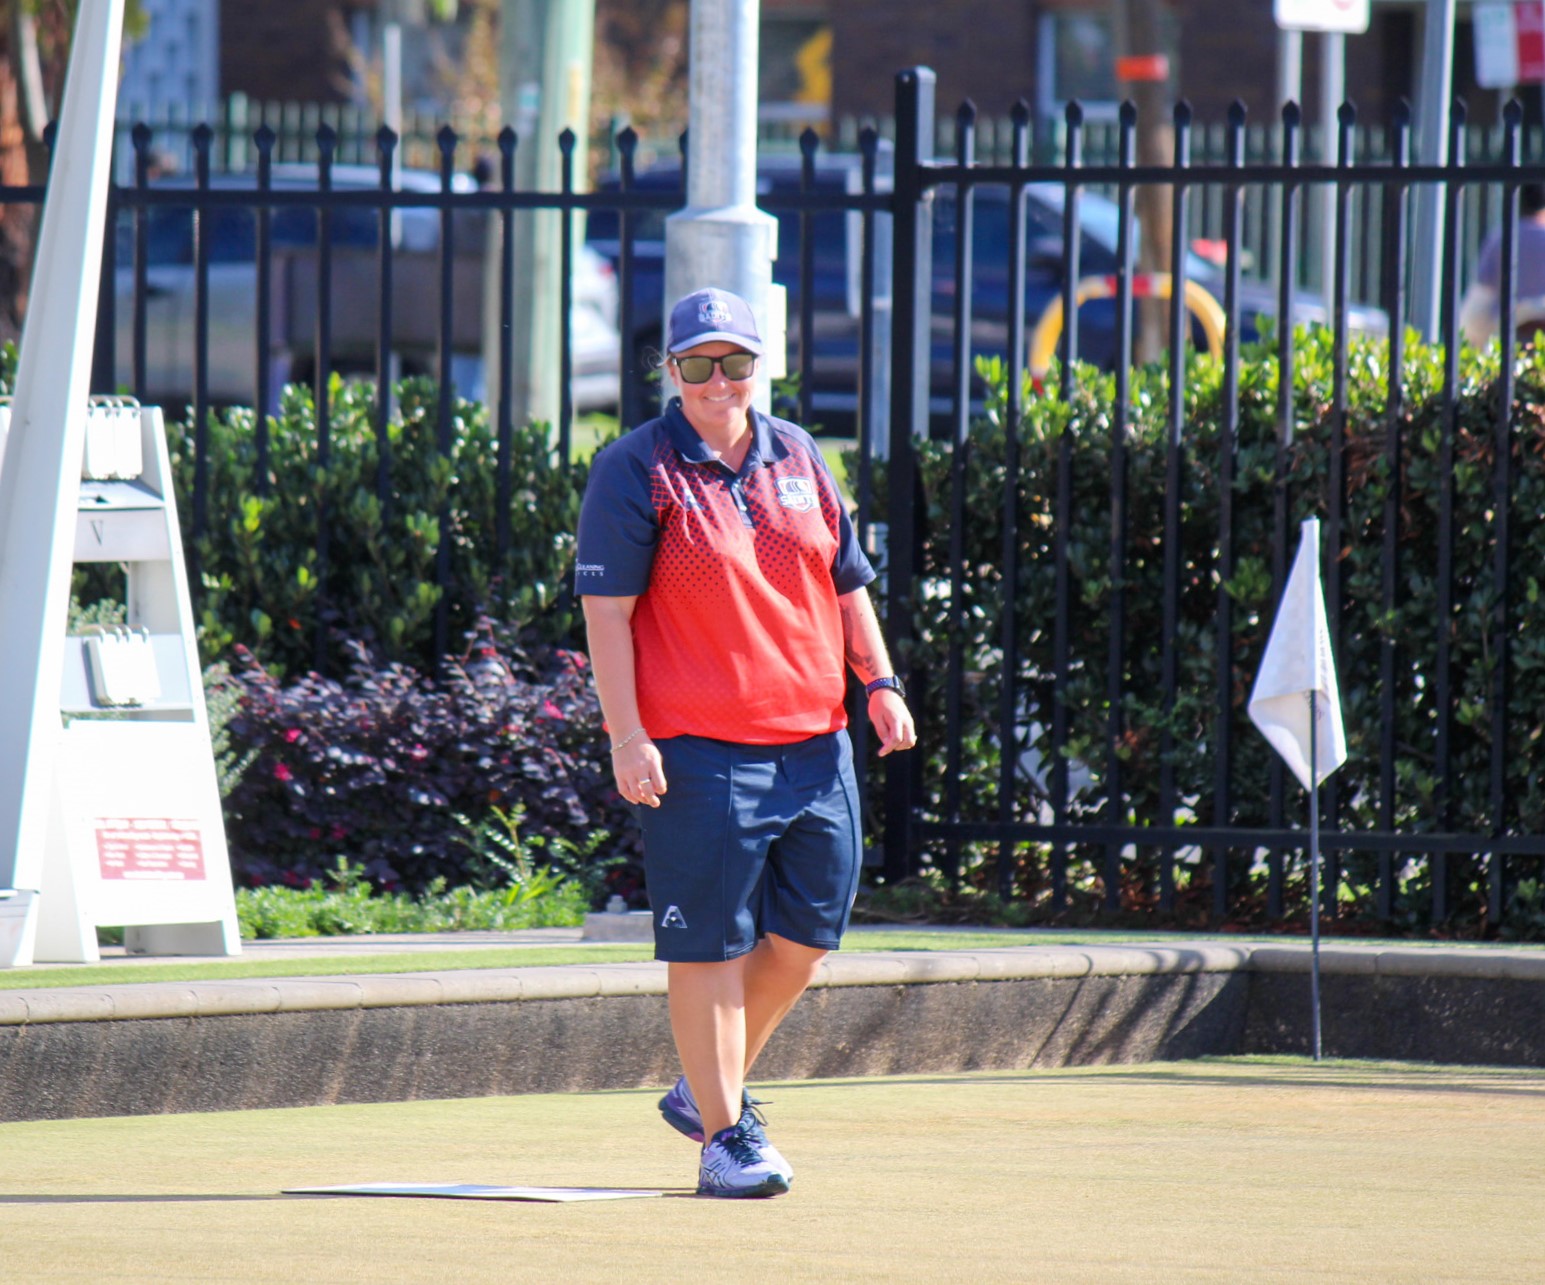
[[765, 444]]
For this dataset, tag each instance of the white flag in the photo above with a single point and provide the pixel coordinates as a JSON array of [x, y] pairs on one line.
[[1297, 665]]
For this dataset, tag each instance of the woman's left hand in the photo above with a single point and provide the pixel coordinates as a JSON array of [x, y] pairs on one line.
[[892, 720]]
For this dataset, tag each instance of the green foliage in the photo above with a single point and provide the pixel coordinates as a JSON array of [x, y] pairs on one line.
[[501, 850], [222, 699], [350, 907], [1144, 734], [265, 582]]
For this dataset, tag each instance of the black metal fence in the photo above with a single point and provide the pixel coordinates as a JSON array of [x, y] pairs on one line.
[[1041, 816], [924, 389]]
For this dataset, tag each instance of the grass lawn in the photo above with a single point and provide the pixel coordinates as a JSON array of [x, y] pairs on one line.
[[1227, 1170]]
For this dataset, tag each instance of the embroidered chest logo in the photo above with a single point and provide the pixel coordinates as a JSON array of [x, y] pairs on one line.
[[797, 493]]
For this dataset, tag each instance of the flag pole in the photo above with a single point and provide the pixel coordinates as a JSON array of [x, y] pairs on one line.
[[1298, 662], [1314, 870]]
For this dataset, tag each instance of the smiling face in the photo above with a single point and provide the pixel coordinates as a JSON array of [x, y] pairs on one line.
[[717, 409]]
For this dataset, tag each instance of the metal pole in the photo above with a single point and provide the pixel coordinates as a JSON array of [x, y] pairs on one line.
[[1432, 149], [1290, 89], [1333, 78], [544, 75], [721, 238], [1314, 865]]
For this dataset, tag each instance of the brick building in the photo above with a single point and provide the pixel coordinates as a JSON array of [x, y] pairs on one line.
[[289, 50], [994, 51], [1047, 51]]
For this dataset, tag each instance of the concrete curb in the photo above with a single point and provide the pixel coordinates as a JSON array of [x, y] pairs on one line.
[[146, 1000], [150, 1047]]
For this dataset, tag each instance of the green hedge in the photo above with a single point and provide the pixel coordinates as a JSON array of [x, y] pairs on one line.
[[262, 583], [1413, 624]]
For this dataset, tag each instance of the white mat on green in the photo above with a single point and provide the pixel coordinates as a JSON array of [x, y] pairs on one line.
[[471, 1191]]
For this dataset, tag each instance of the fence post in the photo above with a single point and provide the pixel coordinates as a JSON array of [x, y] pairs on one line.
[[912, 276], [1073, 159], [965, 205], [264, 140], [1443, 762], [1339, 260], [1395, 226], [445, 429], [1502, 442], [1008, 708], [1228, 440], [1174, 475], [203, 217], [386, 166], [1286, 280]]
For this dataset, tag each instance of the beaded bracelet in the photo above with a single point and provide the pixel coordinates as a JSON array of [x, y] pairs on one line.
[[633, 735]]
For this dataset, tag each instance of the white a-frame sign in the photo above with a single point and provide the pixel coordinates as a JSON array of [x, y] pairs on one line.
[[109, 809]]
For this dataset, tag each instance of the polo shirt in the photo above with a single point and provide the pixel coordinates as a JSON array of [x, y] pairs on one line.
[[736, 632]]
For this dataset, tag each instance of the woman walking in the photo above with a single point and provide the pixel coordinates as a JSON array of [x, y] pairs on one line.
[[725, 598]]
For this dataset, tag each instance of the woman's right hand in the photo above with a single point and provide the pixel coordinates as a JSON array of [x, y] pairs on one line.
[[639, 772]]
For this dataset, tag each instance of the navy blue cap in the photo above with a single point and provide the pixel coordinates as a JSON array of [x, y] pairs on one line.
[[705, 316]]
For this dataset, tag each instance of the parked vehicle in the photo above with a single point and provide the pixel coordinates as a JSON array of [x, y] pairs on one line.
[[356, 292], [834, 249]]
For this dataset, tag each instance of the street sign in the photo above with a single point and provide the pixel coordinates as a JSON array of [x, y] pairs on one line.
[[1347, 16], [1509, 44]]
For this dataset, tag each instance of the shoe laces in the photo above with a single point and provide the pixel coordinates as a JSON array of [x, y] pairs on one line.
[[737, 1145], [752, 1122]]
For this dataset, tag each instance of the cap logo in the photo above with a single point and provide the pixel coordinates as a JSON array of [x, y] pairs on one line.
[[713, 312]]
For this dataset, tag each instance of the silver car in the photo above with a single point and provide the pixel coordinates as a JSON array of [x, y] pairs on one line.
[[231, 232]]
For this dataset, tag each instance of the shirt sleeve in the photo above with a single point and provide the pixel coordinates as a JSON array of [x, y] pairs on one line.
[[850, 568], [618, 528]]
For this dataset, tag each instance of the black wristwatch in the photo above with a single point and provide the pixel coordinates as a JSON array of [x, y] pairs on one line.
[[891, 681]]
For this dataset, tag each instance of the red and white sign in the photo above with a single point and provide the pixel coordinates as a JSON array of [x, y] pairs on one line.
[[1509, 44], [1142, 67], [153, 848], [1349, 16]]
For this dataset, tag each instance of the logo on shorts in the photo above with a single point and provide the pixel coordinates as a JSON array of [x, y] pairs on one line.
[[673, 918], [797, 493]]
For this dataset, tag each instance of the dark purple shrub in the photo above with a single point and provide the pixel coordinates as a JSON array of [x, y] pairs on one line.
[[375, 768]]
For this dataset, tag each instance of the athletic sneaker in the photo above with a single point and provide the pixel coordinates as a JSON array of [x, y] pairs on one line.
[[679, 1108], [732, 1166]]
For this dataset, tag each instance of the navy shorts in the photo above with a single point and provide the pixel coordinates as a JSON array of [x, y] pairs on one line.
[[750, 840]]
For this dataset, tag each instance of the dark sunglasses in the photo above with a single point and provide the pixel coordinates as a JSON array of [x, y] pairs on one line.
[[699, 370]]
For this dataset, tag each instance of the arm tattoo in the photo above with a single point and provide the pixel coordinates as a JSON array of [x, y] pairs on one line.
[[863, 661]]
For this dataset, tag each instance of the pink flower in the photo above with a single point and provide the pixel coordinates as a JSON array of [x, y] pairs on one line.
[[282, 773], [292, 734], [551, 710]]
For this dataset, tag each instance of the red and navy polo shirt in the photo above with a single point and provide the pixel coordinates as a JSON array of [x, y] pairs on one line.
[[736, 633]]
